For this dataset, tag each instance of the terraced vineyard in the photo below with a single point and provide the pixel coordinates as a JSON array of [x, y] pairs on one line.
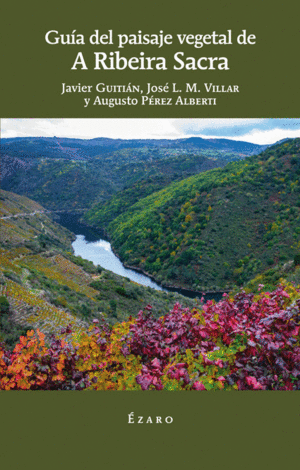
[[63, 271], [48, 288], [31, 311]]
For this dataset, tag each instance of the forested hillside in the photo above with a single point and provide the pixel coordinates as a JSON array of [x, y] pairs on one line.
[[75, 173], [154, 179], [216, 229], [82, 149]]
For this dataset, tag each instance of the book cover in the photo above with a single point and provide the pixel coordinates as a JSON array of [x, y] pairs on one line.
[[149, 71]]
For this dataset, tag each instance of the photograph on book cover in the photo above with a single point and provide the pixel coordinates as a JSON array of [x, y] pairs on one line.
[[150, 254]]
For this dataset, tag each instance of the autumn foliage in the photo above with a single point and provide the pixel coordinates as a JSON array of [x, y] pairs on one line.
[[243, 343]]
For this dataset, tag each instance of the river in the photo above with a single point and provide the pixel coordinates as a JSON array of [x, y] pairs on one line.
[[91, 245], [100, 253]]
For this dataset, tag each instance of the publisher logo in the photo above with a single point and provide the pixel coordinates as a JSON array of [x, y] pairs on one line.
[[132, 419]]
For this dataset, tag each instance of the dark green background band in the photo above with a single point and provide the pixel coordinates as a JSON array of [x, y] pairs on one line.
[[84, 430], [267, 73]]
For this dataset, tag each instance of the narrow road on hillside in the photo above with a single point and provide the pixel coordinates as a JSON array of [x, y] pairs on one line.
[[22, 215], [39, 212]]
